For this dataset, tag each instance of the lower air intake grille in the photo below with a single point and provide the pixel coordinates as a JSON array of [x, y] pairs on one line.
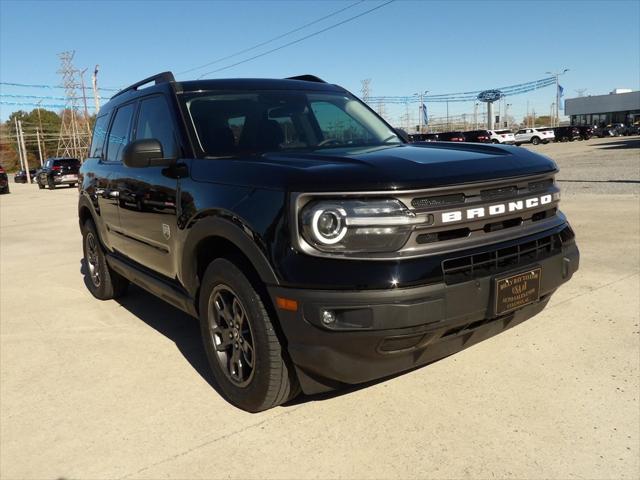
[[462, 269]]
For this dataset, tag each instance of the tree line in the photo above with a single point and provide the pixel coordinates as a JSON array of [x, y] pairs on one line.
[[47, 123]]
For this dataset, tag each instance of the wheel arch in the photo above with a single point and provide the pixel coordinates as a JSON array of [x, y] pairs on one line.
[[85, 211], [218, 237]]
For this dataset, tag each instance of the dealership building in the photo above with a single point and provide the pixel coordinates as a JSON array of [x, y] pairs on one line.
[[620, 106]]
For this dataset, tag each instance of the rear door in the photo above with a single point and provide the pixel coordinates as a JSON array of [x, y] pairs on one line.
[[148, 195]]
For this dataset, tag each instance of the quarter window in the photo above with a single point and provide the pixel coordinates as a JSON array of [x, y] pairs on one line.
[[119, 133], [154, 121], [99, 134]]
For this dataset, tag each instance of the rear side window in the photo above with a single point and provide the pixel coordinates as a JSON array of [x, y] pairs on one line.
[[119, 133], [154, 121], [67, 162], [99, 135]]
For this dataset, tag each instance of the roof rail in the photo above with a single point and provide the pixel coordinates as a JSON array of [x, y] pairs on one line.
[[163, 77], [307, 78]]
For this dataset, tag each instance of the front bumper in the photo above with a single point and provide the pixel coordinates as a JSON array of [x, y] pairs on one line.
[[383, 332]]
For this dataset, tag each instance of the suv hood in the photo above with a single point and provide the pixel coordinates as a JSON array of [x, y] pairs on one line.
[[405, 166]]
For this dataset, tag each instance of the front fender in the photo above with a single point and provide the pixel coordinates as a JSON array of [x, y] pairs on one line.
[[229, 228]]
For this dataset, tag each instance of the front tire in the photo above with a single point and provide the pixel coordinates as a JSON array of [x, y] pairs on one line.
[[101, 280], [246, 356]]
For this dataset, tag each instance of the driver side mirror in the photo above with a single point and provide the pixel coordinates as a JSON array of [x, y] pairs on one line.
[[146, 152], [402, 134]]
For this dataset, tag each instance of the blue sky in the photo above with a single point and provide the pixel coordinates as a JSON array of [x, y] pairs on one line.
[[404, 47]]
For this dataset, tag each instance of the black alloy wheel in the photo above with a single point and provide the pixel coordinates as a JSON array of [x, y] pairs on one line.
[[91, 257], [100, 279], [247, 355], [231, 335]]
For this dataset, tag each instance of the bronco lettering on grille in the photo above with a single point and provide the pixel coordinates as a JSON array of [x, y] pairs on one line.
[[496, 209]]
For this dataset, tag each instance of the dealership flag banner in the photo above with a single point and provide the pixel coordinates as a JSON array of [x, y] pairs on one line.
[[560, 95], [425, 117]]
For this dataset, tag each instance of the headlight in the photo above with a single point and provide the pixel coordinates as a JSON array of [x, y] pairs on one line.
[[377, 225]]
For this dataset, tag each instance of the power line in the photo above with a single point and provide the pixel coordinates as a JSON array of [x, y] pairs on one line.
[[43, 106], [248, 49], [30, 85], [330, 27], [9, 95]]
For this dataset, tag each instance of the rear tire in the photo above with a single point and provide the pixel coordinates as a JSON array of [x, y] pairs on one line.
[[101, 280], [51, 184], [40, 186], [535, 140], [247, 358], [494, 141]]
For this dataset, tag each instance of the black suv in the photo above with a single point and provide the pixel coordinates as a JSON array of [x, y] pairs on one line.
[[452, 137], [316, 247], [566, 134], [423, 137], [58, 171], [477, 136], [585, 131]]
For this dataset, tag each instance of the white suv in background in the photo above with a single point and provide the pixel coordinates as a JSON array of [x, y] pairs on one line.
[[534, 135], [502, 136]]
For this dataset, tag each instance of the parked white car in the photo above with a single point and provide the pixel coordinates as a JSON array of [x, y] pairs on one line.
[[534, 135], [502, 136]]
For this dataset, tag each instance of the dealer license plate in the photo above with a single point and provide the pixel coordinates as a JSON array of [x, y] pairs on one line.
[[517, 290], [69, 177]]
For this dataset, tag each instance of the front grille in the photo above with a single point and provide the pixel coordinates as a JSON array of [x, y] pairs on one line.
[[540, 185], [438, 201], [497, 193], [462, 269]]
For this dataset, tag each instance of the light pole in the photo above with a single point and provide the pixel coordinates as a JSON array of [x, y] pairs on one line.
[[96, 94], [557, 74], [506, 114], [420, 113], [475, 114]]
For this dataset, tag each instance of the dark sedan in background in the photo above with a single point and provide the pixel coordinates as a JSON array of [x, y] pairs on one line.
[[4, 181], [21, 176]]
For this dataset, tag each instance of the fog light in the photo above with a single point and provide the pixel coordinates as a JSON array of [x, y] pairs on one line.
[[328, 317]]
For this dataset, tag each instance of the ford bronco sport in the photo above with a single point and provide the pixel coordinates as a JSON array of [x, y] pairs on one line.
[[316, 247]]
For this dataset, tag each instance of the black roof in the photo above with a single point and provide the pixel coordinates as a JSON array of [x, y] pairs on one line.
[[256, 84], [161, 80]]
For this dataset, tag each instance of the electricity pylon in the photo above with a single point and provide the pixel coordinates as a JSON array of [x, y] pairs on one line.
[[71, 143]]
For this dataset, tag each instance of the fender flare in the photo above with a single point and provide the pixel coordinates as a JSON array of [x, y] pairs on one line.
[[84, 202], [226, 228]]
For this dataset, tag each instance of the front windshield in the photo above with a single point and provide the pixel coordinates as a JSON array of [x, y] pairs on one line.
[[238, 123]]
